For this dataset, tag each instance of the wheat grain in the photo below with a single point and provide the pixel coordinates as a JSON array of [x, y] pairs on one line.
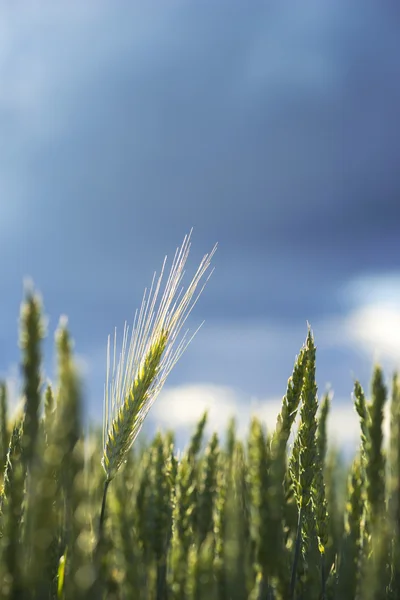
[[375, 469], [31, 336], [155, 346]]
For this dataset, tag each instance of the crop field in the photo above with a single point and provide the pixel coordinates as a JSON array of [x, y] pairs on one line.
[[260, 518]]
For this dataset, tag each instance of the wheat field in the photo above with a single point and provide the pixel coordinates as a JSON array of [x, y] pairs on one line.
[[103, 517]]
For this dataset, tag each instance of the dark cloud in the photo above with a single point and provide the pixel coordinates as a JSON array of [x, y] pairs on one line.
[[273, 130]]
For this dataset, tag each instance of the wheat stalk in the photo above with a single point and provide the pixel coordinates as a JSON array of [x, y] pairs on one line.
[[155, 346], [133, 384]]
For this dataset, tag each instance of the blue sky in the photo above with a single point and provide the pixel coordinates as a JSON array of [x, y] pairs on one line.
[[272, 128]]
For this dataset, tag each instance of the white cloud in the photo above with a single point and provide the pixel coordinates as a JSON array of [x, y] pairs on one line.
[[373, 325], [182, 406], [375, 328]]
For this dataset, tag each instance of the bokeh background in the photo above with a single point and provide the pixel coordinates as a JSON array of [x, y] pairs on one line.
[[272, 128]]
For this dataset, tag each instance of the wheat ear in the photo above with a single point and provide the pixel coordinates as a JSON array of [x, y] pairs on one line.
[[155, 346], [133, 384]]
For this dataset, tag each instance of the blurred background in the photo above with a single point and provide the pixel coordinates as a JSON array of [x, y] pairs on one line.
[[272, 128]]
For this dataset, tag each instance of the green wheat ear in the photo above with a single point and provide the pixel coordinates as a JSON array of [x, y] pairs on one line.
[[155, 346], [32, 331], [126, 421]]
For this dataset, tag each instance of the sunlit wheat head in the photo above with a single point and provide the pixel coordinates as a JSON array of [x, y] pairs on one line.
[[155, 344]]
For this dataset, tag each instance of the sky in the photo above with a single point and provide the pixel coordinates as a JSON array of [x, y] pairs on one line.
[[271, 128]]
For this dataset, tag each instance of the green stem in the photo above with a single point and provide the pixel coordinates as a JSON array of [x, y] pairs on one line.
[[98, 585], [296, 555], [323, 577], [103, 509]]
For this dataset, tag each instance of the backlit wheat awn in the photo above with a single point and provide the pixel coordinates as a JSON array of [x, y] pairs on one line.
[[155, 346]]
